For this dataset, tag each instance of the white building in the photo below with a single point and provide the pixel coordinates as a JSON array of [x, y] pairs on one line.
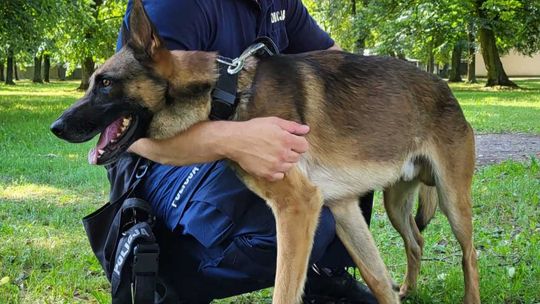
[[514, 64]]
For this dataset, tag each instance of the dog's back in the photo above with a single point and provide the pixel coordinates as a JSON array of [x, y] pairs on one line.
[[371, 117]]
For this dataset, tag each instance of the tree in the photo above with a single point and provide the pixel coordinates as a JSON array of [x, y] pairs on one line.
[[2, 77], [488, 47], [46, 67], [431, 30], [471, 55], [338, 18], [37, 69], [15, 69], [20, 30], [87, 34], [9, 68], [505, 25], [61, 71], [455, 72]]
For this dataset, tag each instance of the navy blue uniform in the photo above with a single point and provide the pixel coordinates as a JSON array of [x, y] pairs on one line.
[[228, 233]]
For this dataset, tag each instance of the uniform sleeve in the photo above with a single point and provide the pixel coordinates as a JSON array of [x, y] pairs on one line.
[[181, 23], [304, 33]]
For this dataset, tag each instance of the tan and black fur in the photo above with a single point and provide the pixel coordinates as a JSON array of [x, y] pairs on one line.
[[376, 123]]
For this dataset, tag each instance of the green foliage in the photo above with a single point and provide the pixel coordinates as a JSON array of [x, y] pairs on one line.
[[24, 23], [421, 28], [337, 19], [88, 29], [516, 23], [68, 30]]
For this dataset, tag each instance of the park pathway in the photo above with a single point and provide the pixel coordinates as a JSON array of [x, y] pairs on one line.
[[495, 148]]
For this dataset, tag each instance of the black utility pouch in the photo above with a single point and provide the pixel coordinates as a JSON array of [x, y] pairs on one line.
[[104, 226], [121, 236]]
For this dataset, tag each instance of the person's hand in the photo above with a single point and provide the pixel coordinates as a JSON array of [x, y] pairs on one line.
[[264, 147], [267, 147]]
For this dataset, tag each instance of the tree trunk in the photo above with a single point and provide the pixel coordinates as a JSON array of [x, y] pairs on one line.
[[471, 60], [495, 70], [360, 43], [490, 53], [88, 65], [46, 67], [444, 71], [87, 70], [2, 77], [431, 63], [61, 72], [9, 71], [37, 69], [15, 69], [455, 71]]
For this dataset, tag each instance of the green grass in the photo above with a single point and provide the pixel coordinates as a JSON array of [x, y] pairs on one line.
[[492, 111], [46, 187]]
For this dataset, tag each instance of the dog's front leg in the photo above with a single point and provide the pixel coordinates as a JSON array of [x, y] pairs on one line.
[[296, 204]]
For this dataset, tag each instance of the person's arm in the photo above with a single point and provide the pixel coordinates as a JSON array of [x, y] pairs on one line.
[[266, 147]]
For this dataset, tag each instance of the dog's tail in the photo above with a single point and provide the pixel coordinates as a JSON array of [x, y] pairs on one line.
[[427, 205]]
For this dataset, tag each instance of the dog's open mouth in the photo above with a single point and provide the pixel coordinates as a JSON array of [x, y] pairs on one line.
[[114, 140]]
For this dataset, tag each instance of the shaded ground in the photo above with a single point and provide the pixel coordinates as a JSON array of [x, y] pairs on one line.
[[495, 148]]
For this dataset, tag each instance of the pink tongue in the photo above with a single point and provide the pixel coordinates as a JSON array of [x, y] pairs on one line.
[[104, 139]]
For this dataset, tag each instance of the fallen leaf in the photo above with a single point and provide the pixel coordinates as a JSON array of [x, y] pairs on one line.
[[4, 281], [511, 271]]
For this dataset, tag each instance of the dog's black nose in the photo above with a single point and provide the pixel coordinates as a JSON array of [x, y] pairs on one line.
[[58, 127]]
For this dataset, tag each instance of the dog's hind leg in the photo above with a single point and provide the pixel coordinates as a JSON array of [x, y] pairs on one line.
[[353, 231], [454, 172], [398, 202], [296, 205]]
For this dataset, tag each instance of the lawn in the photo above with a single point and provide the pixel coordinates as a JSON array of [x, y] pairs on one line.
[[492, 111], [46, 187]]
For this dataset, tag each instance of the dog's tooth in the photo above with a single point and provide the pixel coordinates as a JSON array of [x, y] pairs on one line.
[[113, 141], [118, 134], [125, 122], [101, 151]]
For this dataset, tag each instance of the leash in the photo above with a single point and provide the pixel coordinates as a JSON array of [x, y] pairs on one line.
[[224, 95]]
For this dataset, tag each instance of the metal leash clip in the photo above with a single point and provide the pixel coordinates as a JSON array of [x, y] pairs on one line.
[[237, 64]]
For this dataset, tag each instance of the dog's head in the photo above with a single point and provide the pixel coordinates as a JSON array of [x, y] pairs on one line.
[[124, 95]]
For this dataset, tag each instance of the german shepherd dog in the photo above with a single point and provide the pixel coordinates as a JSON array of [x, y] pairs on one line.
[[376, 123]]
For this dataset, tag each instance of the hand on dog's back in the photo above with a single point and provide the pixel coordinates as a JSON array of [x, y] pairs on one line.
[[264, 147]]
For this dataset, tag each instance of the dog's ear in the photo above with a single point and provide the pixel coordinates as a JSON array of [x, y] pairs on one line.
[[142, 37]]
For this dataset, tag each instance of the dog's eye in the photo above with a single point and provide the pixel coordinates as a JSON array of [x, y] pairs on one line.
[[106, 82]]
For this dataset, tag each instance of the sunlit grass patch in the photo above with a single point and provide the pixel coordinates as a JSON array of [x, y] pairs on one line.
[[28, 191], [501, 111]]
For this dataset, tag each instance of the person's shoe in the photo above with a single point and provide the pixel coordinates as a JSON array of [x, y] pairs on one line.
[[335, 286]]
